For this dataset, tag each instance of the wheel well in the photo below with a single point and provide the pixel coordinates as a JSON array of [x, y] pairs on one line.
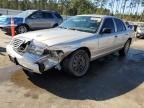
[[87, 50], [24, 25], [55, 25], [130, 39], [82, 48]]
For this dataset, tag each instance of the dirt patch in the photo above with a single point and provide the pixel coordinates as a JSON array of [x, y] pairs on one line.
[[4, 59], [21, 79], [32, 95]]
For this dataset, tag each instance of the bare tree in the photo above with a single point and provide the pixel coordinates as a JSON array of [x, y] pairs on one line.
[[138, 2]]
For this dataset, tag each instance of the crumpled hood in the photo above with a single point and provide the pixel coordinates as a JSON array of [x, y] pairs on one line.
[[6, 19], [55, 36]]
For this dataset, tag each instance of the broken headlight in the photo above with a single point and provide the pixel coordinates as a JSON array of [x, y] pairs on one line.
[[53, 53], [36, 48], [42, 50]]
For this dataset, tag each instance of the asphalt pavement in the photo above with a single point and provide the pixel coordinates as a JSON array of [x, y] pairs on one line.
[[112, 82]]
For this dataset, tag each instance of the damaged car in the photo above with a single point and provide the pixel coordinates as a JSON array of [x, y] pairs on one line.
[[72, 45]]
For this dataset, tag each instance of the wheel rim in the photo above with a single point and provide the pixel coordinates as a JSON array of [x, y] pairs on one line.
[[127, 47], [79, 64], [22, 29]]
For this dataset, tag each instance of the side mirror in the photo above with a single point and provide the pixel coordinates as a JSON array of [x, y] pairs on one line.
[[106, 30], [130, 26]]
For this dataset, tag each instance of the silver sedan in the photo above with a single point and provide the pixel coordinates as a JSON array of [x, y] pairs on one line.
[[72, 45]]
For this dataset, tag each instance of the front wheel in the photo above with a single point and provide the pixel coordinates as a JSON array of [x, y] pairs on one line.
[[77, 63], [125, 49]]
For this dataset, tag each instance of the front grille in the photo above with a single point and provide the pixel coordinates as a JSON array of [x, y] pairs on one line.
[[16, 43]]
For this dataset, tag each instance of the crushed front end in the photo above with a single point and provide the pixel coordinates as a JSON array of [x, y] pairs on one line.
[[32, 55]]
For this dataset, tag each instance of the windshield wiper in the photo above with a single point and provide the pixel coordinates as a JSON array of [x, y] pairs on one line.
[[75, 29], [67, 28], [72, 28], [62, 27], [80, 30]]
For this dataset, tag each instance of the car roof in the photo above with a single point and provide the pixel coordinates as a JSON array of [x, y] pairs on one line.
[[41, 10], [30, 10], [100, 16]]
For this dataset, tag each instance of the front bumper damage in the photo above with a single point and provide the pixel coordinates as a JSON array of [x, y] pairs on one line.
[[32, 62]]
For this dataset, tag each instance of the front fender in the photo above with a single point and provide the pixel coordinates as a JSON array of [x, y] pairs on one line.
[[67, 49]]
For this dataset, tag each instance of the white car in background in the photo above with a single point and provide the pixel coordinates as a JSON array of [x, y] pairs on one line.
[[140, 31]]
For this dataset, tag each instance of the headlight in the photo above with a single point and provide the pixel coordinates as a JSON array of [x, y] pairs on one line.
[[36, 48], [53, 53], [41, 50]]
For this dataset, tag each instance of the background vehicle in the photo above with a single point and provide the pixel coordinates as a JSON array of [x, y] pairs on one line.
[[129, 26], [72, 45], [140, 31], [32, 20]]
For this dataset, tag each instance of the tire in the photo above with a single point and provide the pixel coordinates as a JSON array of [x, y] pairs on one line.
[[125, 49], [140, 37], [55, 25], [77, 63], [22, 29]]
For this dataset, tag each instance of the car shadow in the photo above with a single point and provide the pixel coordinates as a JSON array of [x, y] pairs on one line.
[[2, 50], [107, 78]]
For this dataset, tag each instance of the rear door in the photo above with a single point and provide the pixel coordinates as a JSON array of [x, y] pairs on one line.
[[49, 20], [106, 40], [122, 33]]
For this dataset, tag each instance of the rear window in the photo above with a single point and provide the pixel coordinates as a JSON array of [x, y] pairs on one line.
[[120, 25], [47, 15]]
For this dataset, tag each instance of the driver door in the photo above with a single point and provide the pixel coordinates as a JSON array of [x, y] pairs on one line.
[[106, 39], [35, 21]]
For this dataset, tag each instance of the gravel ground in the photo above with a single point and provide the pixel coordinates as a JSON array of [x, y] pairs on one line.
[[112, 82], [4, 40]]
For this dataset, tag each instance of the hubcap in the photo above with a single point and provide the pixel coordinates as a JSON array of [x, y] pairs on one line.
[[22, 29], [79, 64]]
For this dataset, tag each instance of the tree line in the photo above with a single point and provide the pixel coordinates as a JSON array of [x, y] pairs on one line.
[[126, 9]]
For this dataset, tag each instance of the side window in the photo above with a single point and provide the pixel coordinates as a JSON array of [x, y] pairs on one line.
[[57, 15], [108, 23], [47, 15], [37, 15], [120, 25]]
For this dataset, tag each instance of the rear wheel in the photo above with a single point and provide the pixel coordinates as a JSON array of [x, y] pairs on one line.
[[77, 63], [22, 29], [125, 49], [55, 25]]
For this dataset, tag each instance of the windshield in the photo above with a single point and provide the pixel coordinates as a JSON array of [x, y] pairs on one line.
[[25, 13], [82, 23]]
